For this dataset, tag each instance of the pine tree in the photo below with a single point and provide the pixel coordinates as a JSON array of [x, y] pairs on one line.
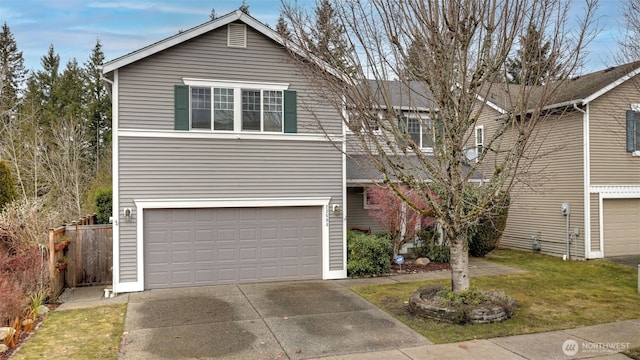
[[12, 73], [98, 106], [328, 38], [282, 28], [533, 63]]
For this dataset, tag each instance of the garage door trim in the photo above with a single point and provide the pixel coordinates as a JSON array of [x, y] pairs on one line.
[[610, 192], [142, 205]]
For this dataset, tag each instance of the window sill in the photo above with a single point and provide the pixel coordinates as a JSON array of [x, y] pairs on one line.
[[636, 153]]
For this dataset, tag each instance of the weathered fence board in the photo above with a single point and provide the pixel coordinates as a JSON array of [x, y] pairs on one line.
[[89, 255]]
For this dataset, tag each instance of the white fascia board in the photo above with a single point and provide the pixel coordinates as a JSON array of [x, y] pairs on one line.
[[491, 104], [235, 84], [171, 41], [207, 134], [611, 86]]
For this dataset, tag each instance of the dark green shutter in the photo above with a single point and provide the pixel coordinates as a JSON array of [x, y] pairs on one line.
[[181, 107], [631, 130], [290, 112]]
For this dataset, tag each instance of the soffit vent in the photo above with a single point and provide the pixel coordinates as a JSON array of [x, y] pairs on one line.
[[237, 35]]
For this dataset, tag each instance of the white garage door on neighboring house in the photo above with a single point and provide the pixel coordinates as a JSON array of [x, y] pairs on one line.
[[621, 227], [212, 246]]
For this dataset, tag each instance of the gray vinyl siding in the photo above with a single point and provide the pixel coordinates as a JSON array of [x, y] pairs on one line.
[[146, 86], [356, 213], [170, 168], [556, 175], [610, 163]]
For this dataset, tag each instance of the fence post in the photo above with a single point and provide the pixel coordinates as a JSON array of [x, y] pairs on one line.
[[52, 260]]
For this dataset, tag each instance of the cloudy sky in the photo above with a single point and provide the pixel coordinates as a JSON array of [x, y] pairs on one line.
[[73, 26]]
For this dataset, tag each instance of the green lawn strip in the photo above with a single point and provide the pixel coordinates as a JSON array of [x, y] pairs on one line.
[[633, 353], [92, 333], [552, 295]]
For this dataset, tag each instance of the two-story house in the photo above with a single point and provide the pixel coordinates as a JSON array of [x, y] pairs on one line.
[[581, 194], [220, 172]]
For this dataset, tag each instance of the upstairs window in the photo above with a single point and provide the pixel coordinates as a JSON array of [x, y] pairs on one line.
[[236, 107], [479, 141], [418, 129]]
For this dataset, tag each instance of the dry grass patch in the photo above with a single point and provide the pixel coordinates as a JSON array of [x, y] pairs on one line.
[[77, 334], [552, 295]]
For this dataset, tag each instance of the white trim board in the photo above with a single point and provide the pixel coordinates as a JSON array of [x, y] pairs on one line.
[[181, 134], [142, 205]]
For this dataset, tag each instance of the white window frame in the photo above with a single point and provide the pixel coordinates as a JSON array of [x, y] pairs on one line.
[[481, 142], [365, 200], [238, 87], [422, 119]]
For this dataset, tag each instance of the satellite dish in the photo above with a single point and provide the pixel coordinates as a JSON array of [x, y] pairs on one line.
[[471, 154]]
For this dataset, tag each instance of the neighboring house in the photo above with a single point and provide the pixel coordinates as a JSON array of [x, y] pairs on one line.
[[587, 161], [586, 157], [220, 172]]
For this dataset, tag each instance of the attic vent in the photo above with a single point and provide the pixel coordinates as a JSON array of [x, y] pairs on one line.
[[237, 35]]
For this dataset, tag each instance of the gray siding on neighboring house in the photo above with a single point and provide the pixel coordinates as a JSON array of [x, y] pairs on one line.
[[170, 168], [556, 176], [146, 86], [356, 213]]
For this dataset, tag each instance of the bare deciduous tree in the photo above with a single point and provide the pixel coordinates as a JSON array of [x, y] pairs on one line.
[[630, 42], [462, 62]]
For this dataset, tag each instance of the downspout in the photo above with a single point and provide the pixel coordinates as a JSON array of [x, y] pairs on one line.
[[586, 163]]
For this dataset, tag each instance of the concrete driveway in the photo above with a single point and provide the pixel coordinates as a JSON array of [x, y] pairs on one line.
[[292, 320]]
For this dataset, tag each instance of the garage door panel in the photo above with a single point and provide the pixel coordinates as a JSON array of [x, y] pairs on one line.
[[621, 227], [187, 247]]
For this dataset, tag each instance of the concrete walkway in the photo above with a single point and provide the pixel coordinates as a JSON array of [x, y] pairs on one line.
[[604, 341]]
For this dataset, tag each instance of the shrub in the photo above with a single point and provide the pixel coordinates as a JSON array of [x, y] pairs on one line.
[[7, 186], [429, 247], [368, 254], [104, 204], [485, 236]]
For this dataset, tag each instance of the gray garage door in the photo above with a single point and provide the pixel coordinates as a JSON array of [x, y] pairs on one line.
[[621, 227], [193, 247]]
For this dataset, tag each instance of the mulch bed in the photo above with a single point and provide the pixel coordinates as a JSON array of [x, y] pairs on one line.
[[409, 268]]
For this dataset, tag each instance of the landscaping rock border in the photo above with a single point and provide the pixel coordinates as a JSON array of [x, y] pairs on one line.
[[484, 313]]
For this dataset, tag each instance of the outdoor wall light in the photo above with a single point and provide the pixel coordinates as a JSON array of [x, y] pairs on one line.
[[335, 208], [127, 214]]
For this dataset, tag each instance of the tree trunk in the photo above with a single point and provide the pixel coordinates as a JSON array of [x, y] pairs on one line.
[[459, 263]]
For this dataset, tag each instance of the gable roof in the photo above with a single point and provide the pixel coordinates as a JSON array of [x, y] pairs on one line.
[[579, 90], [190, 34]]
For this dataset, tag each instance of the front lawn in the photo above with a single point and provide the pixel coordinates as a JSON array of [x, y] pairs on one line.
[[92, 333], [552, 295]]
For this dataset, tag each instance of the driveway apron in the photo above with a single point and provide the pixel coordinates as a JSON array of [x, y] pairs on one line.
[[284, 320]]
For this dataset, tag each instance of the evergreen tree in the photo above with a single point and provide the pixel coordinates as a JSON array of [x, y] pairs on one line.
[[533, 63], [282, 28], [328, 38], [44, 91], [12, 73], [7, 186], [98, 106]]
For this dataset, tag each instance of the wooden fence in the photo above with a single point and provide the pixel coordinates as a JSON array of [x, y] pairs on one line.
[[87, 251]]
